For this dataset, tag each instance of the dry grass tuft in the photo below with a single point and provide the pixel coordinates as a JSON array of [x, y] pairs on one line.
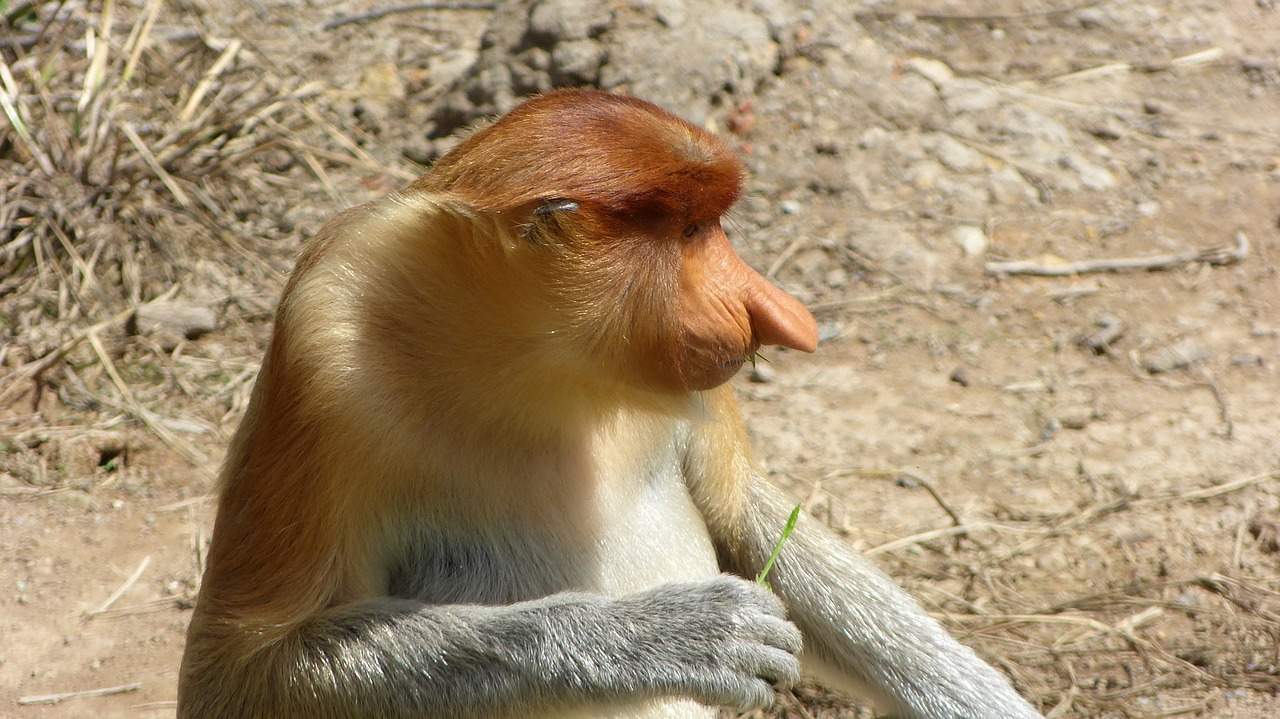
[[136, 157]]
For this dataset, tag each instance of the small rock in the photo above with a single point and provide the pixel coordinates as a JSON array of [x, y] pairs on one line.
[[576, 62], [168, 322], [1109, 330], [972, 240], [967, 95], [1050, 429], [828, 331], [1076, 417], [935, 71], [1091, 18], [1093, 177], [953, 154], [1176, 356], [960, 375], [1052, 562], [762, 373], [569, 19], [790, 207], [1150, 208]]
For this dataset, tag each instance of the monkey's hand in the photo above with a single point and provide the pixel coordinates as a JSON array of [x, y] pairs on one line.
[[722, 641]]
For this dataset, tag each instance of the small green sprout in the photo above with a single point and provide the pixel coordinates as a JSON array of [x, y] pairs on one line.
[[777, 548]]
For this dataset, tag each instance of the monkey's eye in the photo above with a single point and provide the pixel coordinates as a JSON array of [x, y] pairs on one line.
[[691, 230], [557, 205]]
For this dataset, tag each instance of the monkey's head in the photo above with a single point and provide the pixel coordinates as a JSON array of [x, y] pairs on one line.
[[618, 205]]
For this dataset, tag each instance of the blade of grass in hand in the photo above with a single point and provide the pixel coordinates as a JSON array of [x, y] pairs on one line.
[[777, 548]]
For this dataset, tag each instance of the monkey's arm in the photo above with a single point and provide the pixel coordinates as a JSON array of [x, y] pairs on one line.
[[401, 658], [862, 632]]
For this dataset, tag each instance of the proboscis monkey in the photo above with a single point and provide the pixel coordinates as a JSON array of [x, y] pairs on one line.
[[491, 467]]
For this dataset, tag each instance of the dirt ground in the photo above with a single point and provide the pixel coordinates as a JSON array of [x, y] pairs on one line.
[[1078, 474]]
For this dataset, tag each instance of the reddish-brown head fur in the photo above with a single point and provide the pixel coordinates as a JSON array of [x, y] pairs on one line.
[[631, 196], [629, 159]]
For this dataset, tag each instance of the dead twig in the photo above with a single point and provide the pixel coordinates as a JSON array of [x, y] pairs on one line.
[[981, 17], [1224, 409], [929, 536], [1217, 255], [1201, 57], [411, 7], [119, 592], [57, 698], [1196, 495]]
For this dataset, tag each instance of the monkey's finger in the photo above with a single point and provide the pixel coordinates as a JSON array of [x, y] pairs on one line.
[[741, 692], [772, 631], [778, 668], [758, 694], [782, 634]]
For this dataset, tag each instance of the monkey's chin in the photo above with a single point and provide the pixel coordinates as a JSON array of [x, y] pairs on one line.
[[712, 375]]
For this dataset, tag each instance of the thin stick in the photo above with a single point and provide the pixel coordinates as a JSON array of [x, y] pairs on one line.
[[1208, 492], [206, 82], [1217, 255], [150, 159], [138, 39], [56, 698], [955, 518], [128, 583], [786, 256], [412, 7], [1224, 409], [928, 537], [993, 17], [1199, 57], [97, 48], [9, 99]]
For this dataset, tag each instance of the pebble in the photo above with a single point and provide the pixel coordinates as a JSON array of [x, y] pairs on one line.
[[1091, 18], [964, 95], [1176, 356], [828, 331], [169, 322], [972, 240], [762, 373], [935, 71]]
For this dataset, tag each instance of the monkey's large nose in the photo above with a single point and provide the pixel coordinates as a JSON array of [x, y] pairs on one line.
[[777, 318]]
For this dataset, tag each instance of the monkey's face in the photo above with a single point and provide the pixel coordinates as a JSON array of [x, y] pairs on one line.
[[617, 204], [672, 306]]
